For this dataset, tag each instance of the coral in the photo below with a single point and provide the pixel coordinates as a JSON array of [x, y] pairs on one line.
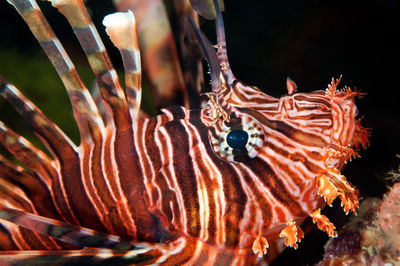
[[372, 237]]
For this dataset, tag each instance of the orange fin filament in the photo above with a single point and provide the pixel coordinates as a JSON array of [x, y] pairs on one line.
[[361, 135], [292, 233], [334, 184], [327, 189], [323, 223], [260, 246]]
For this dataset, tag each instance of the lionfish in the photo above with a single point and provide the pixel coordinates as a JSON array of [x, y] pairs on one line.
[[221, 184]]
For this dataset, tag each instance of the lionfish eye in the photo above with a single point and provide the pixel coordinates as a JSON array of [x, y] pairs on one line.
[[237, 141]]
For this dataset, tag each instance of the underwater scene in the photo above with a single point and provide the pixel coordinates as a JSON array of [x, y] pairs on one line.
[[201, 132]]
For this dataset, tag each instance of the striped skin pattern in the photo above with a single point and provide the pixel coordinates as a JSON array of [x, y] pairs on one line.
[[169, 189]]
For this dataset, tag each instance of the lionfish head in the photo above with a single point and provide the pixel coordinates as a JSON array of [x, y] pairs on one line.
[[290, 148], [245, 122]]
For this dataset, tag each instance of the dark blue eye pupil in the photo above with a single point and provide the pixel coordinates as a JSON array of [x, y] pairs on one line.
[[237, 139]]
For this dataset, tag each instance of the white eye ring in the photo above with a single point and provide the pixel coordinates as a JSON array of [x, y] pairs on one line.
[[220, 144]]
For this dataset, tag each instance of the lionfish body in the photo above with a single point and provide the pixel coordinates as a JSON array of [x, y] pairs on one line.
[[213, 185]]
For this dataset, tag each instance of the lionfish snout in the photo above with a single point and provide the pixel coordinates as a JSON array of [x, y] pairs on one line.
[[346, 128]]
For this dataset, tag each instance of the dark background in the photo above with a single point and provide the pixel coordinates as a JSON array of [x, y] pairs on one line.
[[310, 41]]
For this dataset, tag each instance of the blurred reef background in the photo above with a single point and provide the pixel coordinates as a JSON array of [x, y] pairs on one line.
[[310, 41]]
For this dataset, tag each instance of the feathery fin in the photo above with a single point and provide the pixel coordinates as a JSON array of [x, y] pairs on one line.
[[105, 74], [221, 45], [85, 111], [72, 234], [121, 27], [212, 60]]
